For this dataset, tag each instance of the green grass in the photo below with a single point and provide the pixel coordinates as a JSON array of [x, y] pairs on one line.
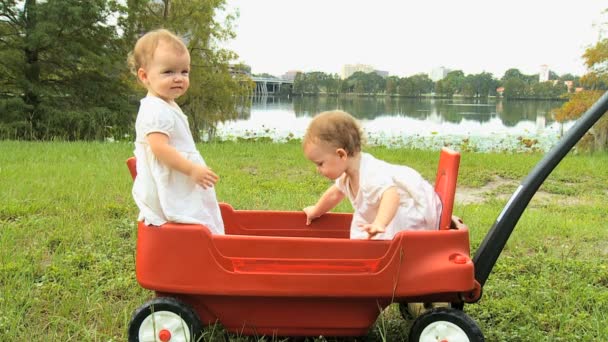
[[67, 238]]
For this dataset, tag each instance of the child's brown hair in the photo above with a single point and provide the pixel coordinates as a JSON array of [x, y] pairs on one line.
[[143, 52], [336, 128]]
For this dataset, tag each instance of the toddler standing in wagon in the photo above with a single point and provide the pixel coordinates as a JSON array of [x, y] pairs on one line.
[[173, 183], [387, 198]]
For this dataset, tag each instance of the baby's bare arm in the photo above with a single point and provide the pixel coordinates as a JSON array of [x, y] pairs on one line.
[[389, 203], [202, 175], [329, 200]]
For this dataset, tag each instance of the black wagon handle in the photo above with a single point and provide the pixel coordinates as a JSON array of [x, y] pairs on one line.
[[494, 242]]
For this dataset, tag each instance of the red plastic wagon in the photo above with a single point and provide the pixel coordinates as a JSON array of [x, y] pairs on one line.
[[271, 275]]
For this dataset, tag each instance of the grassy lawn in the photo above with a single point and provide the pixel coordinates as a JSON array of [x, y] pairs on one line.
[[67, 237]]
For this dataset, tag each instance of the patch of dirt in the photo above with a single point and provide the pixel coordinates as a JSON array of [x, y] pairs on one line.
[[502, 189], [252, 170], [605, 250], [466, 195]]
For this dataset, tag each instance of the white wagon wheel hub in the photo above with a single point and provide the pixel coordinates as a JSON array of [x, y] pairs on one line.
[[164, 326], [443, 331]]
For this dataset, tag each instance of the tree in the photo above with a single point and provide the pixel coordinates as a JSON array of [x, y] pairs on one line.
[[553, 75], [548, 90], [331, 83], [215, 94], [299, 83], [406, 86], [515, 88], [367, 82], [391, 85], [485, 84], [61, 66], [518, 85], [513, 73], [596, 83], [359, 87], [451, 84], [422, 84]]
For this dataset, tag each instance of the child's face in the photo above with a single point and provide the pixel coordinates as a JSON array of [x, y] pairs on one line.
[[331, 162], [167, 74]]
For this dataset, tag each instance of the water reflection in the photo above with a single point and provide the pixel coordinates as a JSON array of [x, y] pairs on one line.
[[400, 121]]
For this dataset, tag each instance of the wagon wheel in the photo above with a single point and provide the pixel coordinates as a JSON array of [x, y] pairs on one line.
[[164, 319], [445, 324]]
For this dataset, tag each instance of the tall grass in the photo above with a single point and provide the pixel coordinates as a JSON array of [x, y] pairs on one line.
[[67, 238]]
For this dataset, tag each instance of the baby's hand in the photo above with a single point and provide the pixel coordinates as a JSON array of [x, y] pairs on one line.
[[310, 214], [372, 229], [203, 176]]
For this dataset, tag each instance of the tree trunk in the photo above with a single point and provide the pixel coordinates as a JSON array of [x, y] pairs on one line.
[[166, 11], [31, 96]]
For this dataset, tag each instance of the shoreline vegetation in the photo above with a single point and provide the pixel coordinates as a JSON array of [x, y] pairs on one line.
[[68, 235], [503, 143], [562, 97]]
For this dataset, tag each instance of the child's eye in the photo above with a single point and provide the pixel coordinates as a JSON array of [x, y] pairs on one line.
[[185, 73], [168, 72]]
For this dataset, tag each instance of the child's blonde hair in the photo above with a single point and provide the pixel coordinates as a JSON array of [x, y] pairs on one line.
[[336, 128], [143, 52]]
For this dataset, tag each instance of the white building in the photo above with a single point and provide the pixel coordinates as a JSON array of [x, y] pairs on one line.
[[543, 76], [438, 73], [290, 75], [349, 69]]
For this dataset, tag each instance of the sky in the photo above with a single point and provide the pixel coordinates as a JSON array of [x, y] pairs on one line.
[[406, 37]]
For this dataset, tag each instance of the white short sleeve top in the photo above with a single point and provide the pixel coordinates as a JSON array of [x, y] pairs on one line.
[[419, 204]]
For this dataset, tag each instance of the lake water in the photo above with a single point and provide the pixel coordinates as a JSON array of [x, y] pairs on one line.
[[478, 125]]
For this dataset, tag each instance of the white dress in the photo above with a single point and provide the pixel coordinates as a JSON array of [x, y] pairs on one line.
[[161, 193], [419, 204]]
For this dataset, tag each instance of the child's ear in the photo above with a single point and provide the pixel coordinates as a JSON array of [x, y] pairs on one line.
[[141, 74], [341, 153]]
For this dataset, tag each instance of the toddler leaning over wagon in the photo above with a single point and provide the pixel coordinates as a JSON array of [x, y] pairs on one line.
[[387, 198]]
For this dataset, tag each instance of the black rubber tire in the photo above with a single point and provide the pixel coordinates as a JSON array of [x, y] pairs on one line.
[[184, 311], [454, 316]]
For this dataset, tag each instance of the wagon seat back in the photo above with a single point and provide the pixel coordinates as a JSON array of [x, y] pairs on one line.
[[131, 164], [445, 184]]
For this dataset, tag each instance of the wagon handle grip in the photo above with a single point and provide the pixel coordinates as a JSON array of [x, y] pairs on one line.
[[494, 242]]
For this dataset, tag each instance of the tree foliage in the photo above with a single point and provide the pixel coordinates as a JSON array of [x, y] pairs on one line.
[[479, 85], [596, 84], [64, 73], [451, 84], [482, 85], [61, 68], [521, 86]]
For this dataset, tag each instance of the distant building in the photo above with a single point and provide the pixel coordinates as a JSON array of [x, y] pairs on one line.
[[543, 76], [382, 73], [290, 75], [349, 69], [439, 73]]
